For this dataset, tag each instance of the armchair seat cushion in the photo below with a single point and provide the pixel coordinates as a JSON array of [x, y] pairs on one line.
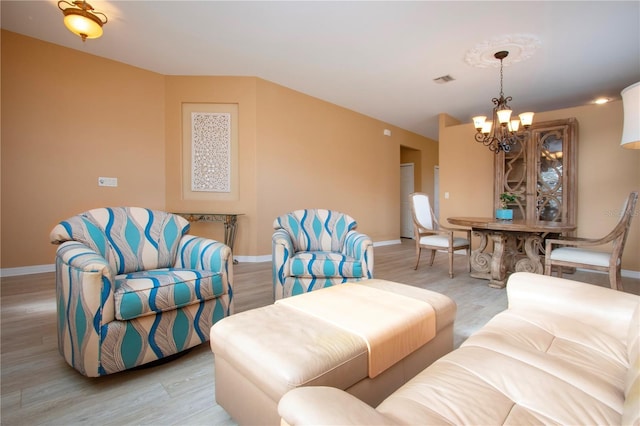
[[578, 255], [443, 241], [149, 292], [325, 264]]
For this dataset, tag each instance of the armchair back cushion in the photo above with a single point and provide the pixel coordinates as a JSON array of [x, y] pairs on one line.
[[131, 239]]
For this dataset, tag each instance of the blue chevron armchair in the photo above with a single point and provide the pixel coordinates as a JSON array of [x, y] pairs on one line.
[[133, 287], [317, 248]]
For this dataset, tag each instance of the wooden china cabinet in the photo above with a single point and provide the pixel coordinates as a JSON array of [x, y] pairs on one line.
[[541, 172]]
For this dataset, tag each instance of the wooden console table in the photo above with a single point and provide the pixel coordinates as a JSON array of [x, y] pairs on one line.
[[517, 245], [230, 221]]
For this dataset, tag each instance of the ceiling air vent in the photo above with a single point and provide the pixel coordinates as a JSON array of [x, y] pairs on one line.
[[444, 79]]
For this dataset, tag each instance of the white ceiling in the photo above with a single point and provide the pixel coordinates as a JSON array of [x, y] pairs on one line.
[[377, 58]]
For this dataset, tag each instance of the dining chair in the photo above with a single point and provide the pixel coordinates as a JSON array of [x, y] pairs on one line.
[[429, 234], [578, 252]]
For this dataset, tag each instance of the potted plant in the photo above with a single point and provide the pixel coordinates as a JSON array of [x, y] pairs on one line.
[[504, 212]]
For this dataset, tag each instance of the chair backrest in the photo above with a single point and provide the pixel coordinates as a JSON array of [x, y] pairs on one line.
[[421, 211], [620, 232], [316, 229], [131, 239]]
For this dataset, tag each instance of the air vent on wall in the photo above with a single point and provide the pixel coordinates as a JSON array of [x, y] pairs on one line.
[[444, 79]]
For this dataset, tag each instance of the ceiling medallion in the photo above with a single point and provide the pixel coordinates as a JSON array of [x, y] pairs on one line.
[[519, 46]]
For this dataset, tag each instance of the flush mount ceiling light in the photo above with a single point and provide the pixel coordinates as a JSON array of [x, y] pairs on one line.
[[500, 132], [81, 19]]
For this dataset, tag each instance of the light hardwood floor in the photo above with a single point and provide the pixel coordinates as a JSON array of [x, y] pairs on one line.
[[39, 388]]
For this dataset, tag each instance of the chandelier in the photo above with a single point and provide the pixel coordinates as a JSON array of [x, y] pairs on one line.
[[501, 132], [80, 19]]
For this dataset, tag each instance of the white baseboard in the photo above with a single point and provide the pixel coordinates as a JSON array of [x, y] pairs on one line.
[[27, 270], [253, 259], [386, 243]]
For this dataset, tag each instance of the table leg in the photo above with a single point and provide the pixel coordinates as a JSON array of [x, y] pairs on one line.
[[230, 229], [498, 266], [480, 261], [532, 262]]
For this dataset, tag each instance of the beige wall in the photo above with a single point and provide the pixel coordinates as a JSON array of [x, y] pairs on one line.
[[606, 172], [314, 154], [68, 118], [59, 134]]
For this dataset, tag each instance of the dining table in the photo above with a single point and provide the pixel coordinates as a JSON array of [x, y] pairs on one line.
[[518, 245]]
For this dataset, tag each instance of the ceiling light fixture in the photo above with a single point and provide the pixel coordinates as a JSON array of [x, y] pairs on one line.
[[81, 20], [500, 133]]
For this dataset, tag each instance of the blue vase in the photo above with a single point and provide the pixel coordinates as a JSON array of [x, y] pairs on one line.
[[504, 214]]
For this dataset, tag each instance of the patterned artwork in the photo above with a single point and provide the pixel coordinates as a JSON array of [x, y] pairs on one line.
[[210, 152]]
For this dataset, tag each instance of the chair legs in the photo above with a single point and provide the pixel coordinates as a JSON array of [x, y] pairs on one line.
[[433, 256]]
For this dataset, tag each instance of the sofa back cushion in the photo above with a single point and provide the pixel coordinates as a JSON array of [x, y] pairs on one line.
[[316, 229], [131, 239], [631, 410]]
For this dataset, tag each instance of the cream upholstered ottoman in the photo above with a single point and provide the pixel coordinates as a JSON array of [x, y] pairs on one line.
[[367, 338]]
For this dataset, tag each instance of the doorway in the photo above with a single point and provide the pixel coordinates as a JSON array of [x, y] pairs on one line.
[[406, 188]]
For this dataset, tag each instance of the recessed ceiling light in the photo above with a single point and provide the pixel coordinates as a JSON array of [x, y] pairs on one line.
[[601, 101]]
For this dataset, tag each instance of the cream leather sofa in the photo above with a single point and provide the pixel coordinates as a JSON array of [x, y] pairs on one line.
[[564, 352]]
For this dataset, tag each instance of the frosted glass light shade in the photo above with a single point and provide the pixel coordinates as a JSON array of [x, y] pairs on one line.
[[526, 118], [504, 115], [82, 25], [631, 125], [478, 121]]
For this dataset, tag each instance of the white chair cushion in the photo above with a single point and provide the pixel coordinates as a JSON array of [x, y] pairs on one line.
[[442, 241], [577, 255]]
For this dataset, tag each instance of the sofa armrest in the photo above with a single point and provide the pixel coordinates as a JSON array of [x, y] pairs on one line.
[[599, 307], [320, 405], [359, 246]]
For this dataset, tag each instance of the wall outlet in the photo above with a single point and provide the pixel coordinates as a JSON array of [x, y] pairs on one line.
[[107, 181]]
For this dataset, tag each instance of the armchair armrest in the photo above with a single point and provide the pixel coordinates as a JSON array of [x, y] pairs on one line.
[[574, 242], [599, 307], [84, 295], [85, 274], [282, 250], [359, 246], [203, 254], [319, 405]]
